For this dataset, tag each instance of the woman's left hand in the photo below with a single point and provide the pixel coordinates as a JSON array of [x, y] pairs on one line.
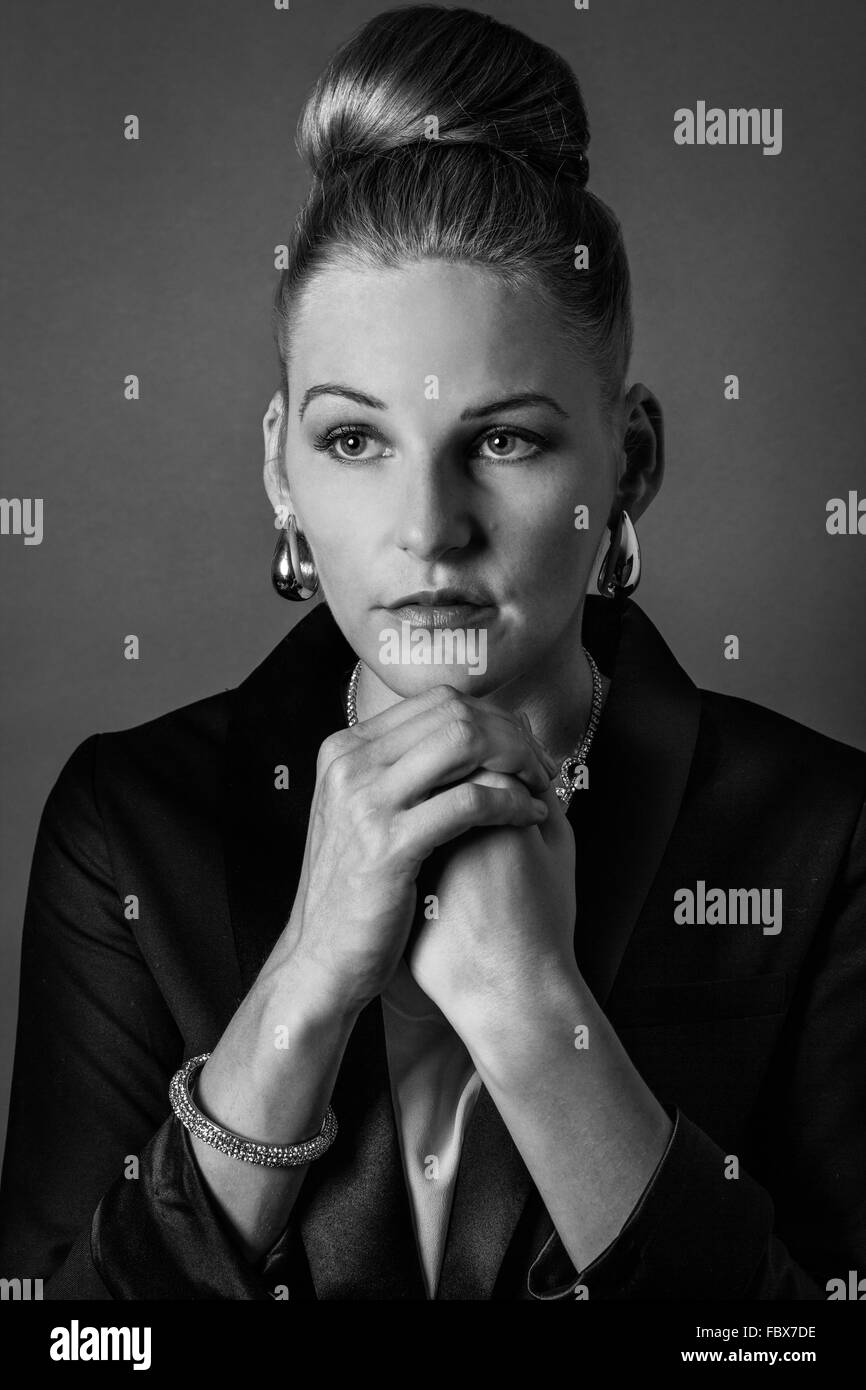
[[505, 897]]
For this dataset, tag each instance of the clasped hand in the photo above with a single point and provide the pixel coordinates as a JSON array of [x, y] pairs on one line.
[[438, 794], [496, 915]]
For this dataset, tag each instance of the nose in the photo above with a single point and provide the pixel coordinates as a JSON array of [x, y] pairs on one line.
[[432, 509]]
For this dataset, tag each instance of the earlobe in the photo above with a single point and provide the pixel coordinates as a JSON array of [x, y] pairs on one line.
[[275, 487]]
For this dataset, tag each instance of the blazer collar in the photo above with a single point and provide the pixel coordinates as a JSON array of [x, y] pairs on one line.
[[353, 1212], [638, 769]]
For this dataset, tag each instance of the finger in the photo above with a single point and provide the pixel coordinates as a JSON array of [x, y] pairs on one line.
[[452, 749], [484, 702], [405, 708], [397, 742], [422, 828], [398, 715], [557, 818]]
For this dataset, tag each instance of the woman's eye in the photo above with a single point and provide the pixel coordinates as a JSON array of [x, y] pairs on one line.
[[504, 440], [351, 442]]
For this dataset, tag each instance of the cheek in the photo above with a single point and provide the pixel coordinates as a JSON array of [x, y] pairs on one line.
[[334, 530], [559, 542], [341, 563]]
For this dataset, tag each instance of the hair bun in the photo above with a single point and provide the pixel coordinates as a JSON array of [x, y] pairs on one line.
[[423, 74]]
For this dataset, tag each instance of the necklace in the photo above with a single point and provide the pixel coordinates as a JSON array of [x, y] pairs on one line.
[[570, 766]]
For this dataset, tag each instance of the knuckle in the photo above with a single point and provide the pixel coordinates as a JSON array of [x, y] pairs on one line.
[[460, 731], [470, 797], [452, 704], [338, 773], [444, 695], [329, 749]]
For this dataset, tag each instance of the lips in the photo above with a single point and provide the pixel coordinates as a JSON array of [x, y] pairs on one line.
[[454, 608], [457, 615], [442, 598]]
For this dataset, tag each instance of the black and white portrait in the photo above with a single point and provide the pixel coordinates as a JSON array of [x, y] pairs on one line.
[[434, 529]]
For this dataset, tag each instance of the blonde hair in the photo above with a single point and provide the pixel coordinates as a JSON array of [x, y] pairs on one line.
[[501, 183]]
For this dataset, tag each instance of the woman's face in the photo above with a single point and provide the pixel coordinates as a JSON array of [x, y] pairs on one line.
[[410, 465]]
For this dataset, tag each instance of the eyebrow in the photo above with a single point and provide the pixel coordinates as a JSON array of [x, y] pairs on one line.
[[523, 398]]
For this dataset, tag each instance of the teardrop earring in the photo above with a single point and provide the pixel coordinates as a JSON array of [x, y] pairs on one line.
[[620, 569], [293, 571]]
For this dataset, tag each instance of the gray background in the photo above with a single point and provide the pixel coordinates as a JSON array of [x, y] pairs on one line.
[[156, 257]]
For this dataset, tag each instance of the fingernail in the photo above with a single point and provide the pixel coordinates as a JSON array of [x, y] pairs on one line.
[[540, 807]]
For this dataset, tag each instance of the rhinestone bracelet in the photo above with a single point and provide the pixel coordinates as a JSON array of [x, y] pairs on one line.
[[267, 1155]]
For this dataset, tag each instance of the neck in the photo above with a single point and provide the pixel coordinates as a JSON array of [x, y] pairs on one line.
[[556, 695]]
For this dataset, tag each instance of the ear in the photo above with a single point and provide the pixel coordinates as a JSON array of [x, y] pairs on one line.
[[275, 480], [643, 453]]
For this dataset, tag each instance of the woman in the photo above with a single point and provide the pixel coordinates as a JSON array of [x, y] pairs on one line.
[[503, 966]]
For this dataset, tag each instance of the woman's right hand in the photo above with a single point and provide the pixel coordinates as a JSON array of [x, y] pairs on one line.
[[389, 790]]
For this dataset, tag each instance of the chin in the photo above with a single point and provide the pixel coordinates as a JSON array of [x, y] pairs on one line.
[[407, 681]]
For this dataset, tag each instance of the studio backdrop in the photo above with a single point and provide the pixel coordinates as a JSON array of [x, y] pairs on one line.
[[150, 178]]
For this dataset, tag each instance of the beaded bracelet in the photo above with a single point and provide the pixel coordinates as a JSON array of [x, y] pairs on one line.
[[268, 1155]]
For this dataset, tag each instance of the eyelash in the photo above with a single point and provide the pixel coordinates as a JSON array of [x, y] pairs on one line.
[[325, 442]]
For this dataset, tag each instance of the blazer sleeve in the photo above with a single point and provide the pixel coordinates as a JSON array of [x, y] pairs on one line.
[[101, 1196], [696, 1234]]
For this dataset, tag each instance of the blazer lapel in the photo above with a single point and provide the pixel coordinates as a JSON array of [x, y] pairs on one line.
[[639, 766], [491, 1192], [353, 1211], [622, 822]]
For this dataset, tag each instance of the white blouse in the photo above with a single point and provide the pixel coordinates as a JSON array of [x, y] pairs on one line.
[[434, 1087]]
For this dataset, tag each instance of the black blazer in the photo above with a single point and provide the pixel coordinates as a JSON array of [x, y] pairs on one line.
[[755, 1042]]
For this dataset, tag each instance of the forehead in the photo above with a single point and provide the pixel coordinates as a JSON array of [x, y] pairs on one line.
[[387, 330]]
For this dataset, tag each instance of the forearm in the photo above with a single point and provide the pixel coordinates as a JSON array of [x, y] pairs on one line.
[[270, 1079], [588, 1128]]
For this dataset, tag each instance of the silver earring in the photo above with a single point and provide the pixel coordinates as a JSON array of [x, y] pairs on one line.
[[620, 569], [293, 572]]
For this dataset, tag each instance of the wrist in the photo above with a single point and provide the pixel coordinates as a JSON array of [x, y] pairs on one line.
[[271, 1075], [513, 1027], [295, 984]]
